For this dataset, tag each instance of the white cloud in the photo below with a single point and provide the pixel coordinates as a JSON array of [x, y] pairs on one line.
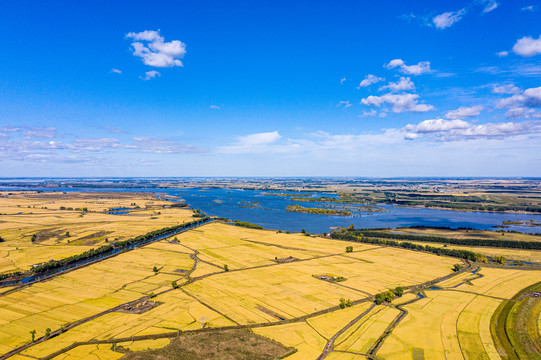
[[259, 138], [344, 103], [399, 102], [116, 71], [489, 5], [369, 80], [342, 81], [151, 47], [436, 125], [453, 130], [215, 107], [259, 143], [150, 75], [505, 89], [418, 69], [502, 53], [527, 46], [447, 19], [528, 8], [402, 85], [464, 112], [382, 114]]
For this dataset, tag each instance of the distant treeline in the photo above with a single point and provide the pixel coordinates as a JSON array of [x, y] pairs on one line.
[[434, 227], [513, 244], [358, 237], [103, 250]]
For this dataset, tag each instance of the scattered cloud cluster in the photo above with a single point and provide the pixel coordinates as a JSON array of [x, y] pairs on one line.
[[524, 104], [454, 130], [449, 18], [43, 144], [397, 98], [399, 102], [154, 51]]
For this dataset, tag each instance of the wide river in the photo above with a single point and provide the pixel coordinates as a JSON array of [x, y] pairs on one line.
[[270, 211]]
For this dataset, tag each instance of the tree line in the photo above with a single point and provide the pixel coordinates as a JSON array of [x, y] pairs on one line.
[[463, 254], [107, 249], [504, 243]]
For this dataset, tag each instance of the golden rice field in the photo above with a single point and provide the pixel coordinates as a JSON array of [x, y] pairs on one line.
[[282, 301], [26, 214]]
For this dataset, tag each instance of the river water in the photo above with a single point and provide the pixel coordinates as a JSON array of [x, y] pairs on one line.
[[270, 211]]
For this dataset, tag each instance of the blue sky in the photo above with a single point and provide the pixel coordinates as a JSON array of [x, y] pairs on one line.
[[274, 88]]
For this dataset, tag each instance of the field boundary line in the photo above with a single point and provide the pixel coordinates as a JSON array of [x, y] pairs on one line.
[[330, 343]]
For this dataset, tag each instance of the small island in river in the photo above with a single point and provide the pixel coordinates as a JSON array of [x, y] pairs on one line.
[[320, 211]]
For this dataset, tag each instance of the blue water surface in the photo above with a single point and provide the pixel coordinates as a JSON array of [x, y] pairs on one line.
[[270, 211]]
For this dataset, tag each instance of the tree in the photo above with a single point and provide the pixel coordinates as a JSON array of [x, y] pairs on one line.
[[33, 333], [67, 234], [155, 269], [399, 291], [499, 259], [349, 249], [226, 268], [47, 333], [303, 231], [456, 267], [174, 284], [342, 303]]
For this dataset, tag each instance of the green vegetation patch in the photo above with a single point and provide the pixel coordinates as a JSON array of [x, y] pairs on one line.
[[514, 325], [222, 345]]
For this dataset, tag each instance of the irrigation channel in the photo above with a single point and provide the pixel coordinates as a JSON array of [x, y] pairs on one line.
[[99, 257]]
